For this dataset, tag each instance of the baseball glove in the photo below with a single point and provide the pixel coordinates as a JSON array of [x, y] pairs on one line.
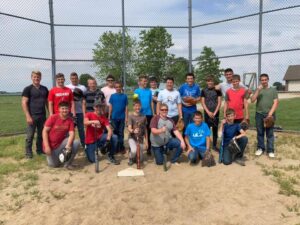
[[208, 159], [77, 94], [190, 100], [269, 122], [233, 147], [105, 148], [65, 155], [180, 125], [245, 124]]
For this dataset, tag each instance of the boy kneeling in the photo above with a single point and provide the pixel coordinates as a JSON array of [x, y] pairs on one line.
[[232, 132], [197, 137], [58, 137], [95, 123]]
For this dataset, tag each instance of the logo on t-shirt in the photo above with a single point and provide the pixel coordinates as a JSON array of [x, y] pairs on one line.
[[199, 133], [61, 94]]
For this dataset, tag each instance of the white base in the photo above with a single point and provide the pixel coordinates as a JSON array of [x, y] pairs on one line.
[[130, 172]]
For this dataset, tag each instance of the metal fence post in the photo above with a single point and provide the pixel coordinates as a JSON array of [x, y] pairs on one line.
[[260, 36], [190, 35], [53, 59], [123, 47]]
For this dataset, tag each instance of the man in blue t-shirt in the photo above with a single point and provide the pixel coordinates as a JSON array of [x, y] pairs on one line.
[[197, 138], [118, 114], [190, 95], [147, 106]]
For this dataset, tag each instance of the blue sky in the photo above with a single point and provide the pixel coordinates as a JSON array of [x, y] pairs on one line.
[[280, 31]]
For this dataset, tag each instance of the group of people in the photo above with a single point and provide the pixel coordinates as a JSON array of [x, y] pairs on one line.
[[101, 117]]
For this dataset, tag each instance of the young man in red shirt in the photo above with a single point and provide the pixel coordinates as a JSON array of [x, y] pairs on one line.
[[95, 137], [58, 134], [60, 93], [236, 99]]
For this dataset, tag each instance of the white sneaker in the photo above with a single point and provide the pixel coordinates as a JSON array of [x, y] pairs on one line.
[[271, 155], [259, 152]]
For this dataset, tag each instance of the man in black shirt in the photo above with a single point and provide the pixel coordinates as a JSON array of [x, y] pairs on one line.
[[34, 103]]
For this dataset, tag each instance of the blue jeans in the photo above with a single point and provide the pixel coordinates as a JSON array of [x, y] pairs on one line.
[[198, 152], [173, 143], [228, 157], [261, 130], [187, 119], [118, 126], [90, 148], [80, 128]]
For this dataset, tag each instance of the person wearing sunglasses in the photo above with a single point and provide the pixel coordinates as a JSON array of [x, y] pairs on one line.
[[161, 138]]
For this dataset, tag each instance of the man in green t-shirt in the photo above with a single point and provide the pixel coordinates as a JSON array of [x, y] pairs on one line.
[[266, 105]]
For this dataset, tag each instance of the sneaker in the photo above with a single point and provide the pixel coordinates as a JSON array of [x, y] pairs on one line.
[[130, 162], [271, 154], [240, 161], [113, 161], [259, 152], [176, 163]]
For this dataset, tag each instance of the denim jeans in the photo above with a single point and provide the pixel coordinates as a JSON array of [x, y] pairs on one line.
[[213, 123], [119, 126], [38, 124], [80, 128], [228, 157], [173, 144], [261, 130], [90, 148], [193, 155], [187, 119], [53, 159]]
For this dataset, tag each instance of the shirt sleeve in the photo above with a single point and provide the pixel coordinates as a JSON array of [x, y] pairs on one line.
[[198, 93], [207, 130], [26, 92], [226, 96], [159, 97], [51, 96], [71, 125], [187, 130], [275, 94], [179, 98], [130, 120], [111, 99], [154, 122], [104, 121], [50, 121], [126, 100], [180, 90], [71, 97], [219, 93]]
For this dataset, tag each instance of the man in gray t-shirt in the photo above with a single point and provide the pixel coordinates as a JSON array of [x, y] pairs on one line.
[[161, 139]]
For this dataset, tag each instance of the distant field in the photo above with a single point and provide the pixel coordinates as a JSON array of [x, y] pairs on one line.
[[12, 119]]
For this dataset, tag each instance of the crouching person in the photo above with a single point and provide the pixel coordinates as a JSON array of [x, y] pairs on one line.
[[58, 137], [96, 123], [232, 132], [161, 138], [197, 137]]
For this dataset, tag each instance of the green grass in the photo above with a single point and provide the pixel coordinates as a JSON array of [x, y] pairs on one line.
[[12, 118]]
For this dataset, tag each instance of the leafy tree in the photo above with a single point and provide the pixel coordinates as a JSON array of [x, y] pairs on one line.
[[178, 67], [208, 64], [108, 55], [279, 86], [152, 52], [83, 78]]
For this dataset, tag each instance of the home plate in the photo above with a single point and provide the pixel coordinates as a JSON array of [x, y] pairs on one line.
[[130, 172]]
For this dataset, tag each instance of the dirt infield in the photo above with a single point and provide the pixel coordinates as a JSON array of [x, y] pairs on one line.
[[225, 195]]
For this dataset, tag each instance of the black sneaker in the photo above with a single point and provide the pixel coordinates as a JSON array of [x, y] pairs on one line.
[[113, 161], [240, 161]]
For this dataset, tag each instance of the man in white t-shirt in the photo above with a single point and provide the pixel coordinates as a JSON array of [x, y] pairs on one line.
[[78, 93], [172, 99], [225, 85], [109, 89]]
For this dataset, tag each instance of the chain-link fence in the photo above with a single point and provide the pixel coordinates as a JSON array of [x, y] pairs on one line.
[[248, 36]]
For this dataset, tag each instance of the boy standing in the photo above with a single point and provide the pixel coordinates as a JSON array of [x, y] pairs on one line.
[[137, 128], [197, 138], [91, 95], [118, 114], [236, 99], [211, 103], [108, 90], [60, 93], [95, 123], [190, 95], [154, 89], [34, 103], [232, 131], [78, 93], [266, 105], [147, 106]]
